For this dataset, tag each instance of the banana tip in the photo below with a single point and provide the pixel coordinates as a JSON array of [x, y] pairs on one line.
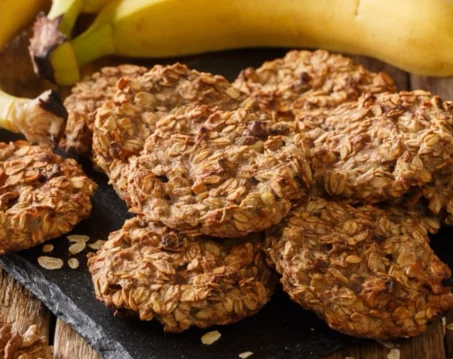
[[46, 37]]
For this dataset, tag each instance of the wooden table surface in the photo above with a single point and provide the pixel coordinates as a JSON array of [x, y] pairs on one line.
[[19, 307]]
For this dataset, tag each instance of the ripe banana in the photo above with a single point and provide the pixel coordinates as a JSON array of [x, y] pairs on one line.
[[41, 119], [414, 35]]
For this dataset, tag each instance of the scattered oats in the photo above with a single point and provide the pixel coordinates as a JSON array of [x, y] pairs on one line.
[[245, 355], [394, 354], [450, 326], [77, 238], [77, 247], [386, 343], [73, 263], [50, 263], [210, 337], [97, 245], [47, 248]]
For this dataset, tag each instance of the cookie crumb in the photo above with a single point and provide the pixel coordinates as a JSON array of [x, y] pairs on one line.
[[97, 245], [211, 337], [394, 354], [46, 248], [73, 263], [77, 247], [50, 263], [77, 238], [245, 355]]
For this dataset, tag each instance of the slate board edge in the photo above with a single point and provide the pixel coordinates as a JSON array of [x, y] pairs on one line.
[[62, 306]]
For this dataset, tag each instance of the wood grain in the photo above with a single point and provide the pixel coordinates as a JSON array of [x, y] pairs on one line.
[[20, 308], [70, 345]]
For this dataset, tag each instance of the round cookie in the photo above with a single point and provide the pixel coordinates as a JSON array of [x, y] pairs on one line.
[[157, 273], [220, 173], [42, 195], [123, 124], [86, 97], [310, 82], [367, 271]]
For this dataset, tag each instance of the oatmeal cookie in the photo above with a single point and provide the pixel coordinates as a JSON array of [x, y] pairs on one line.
[[86, 97], [155, 272], [42, 195], [212, 167], [308, 82], [388, 147], [123, 124], [221, 173], [29, 345], [367, 271]]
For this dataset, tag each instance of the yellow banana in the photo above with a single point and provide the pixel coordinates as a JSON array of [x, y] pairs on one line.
[[414, 35], [41, 119]]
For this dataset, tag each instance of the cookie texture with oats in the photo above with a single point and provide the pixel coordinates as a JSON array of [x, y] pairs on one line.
[[152, 271], [29, 345], [388, 147], [86, 97], [216, 166], [310, 82], [221, 173], [367, 271], [123, 124], [42, 195]]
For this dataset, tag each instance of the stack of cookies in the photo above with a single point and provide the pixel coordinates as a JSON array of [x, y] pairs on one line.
[[310, 169]]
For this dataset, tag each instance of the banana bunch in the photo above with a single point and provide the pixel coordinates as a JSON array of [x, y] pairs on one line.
[[416, 36], [41, 119]]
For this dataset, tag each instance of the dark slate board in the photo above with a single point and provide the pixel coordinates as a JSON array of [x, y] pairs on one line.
[[281, 329]]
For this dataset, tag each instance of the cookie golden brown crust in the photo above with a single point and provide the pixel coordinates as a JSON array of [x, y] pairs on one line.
[[218, 166], [29, 345], [306, 81], [388, 147], [157, 273], [122, 125], [86, 97], [42, 195], [219, 173], [369, 272]]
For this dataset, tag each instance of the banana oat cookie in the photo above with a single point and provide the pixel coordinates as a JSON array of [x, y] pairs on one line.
[[157, 273], [123, 124], [367, 271], [388, 147], [86, 97], [42, 195], [211, 167], [29, 345], [219, 173], [310, 82]]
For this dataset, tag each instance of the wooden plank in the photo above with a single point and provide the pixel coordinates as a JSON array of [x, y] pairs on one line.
[[70, 345], [20, 308]]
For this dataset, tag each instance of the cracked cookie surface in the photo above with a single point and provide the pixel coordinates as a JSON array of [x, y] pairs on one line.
[[42, 195], [179, 280], [369, 272]]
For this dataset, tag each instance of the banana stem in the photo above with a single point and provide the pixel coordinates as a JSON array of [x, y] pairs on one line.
[[93, 45], [40, 120], [69, 10]]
